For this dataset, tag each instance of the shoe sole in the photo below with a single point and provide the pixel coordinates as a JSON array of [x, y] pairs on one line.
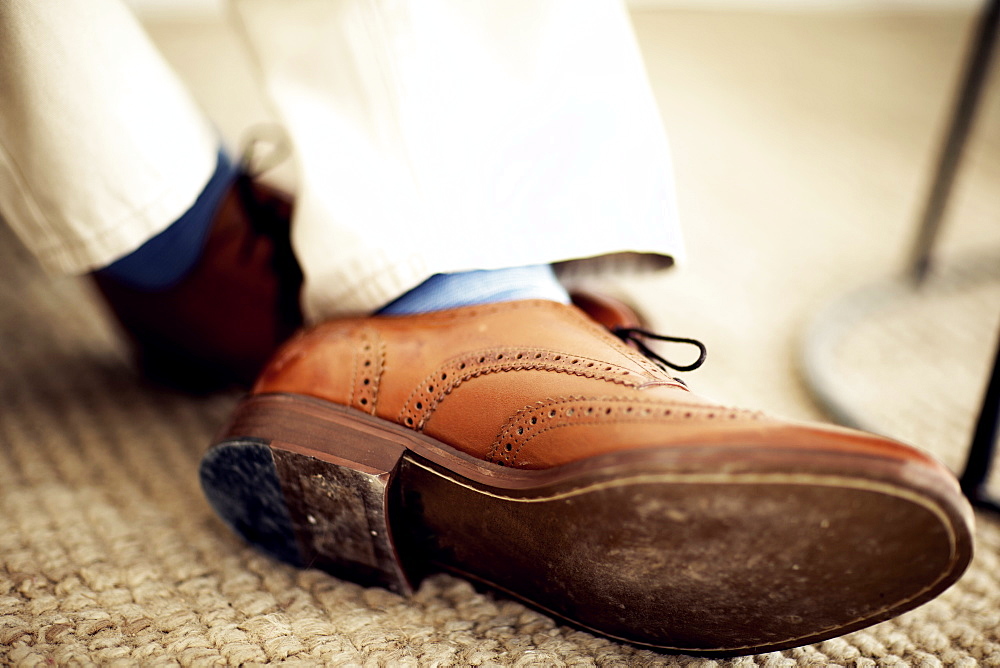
[[698, 550]]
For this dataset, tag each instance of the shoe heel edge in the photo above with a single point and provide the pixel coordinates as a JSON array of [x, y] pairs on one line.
[[333, 482], [240, 482]]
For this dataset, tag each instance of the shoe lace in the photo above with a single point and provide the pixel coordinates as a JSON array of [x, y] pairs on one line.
[[635, 335]]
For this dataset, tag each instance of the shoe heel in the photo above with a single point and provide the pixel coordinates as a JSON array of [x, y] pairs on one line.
[[309, 483]]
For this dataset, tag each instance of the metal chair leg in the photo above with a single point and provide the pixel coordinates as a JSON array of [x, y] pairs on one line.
[[984, 442], [976, 69]]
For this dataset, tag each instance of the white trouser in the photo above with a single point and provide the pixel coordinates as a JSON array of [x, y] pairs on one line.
[[432, 136]]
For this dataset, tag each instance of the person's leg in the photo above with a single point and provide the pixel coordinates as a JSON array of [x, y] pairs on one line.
[[108, 166], [441, 137]]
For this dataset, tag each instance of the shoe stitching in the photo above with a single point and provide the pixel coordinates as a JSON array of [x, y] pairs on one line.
[[369, 362], [549, 414], [424, 399]]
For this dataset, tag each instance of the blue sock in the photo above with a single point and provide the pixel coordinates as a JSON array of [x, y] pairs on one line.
[[444, 291], [165, 259]]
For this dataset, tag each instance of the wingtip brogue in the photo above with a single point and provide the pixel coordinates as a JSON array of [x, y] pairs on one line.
[[523, 446]]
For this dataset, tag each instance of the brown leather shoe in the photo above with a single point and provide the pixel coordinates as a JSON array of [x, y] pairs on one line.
[[223, 321], [524, 447]]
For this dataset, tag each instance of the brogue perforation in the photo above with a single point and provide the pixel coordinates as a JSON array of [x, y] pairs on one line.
[[369, 361], [436, 386], [540, 417]]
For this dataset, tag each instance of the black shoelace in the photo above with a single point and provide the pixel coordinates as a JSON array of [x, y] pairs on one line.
[[635, 335]]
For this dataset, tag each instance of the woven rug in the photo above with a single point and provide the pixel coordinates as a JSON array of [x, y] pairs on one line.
[[109, 554]]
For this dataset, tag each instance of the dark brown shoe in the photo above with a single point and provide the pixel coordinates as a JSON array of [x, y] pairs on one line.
[[524, 447], [223, 321]]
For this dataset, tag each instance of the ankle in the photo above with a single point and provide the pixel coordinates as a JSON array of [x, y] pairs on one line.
[[470, 288]]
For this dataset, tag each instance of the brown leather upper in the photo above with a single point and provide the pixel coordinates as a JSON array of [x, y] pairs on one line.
[[529, 384]]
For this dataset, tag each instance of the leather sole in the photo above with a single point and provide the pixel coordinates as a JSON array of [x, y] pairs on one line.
[[688, 549]]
